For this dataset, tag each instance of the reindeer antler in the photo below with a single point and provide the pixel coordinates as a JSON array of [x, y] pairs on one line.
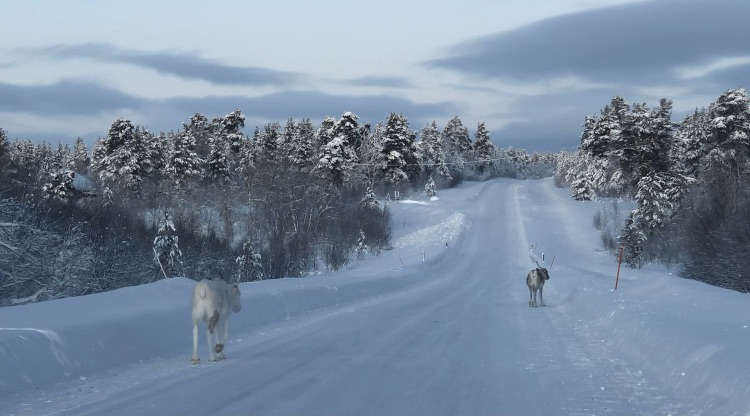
[[535, 261]]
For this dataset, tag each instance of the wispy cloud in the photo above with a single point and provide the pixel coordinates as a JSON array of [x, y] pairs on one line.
[[180, 64], [68, 99], [642, 42], [381, 81], [65, 98]]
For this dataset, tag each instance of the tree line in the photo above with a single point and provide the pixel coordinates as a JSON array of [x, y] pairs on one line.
[[690, 181], [208, 200]]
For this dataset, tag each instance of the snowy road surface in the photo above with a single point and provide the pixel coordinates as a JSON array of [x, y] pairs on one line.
[[394, 334]]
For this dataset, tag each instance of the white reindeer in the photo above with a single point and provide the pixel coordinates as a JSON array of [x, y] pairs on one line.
[[213, 301], [535, 281]]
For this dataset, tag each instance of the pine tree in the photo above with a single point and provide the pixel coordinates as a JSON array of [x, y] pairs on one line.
[[632, 240], [458, 136], [370, 201], [249, 267], [218, 168], [730, 124], [81, 158], [338, 157], [184, 163], [60, 186], [361, 245], [167, 253], [201, 130], [348, 128], [118, 157], [484, 150], [429, 188], [269, 142], [691, 142], [396, 150], [301, 146], [325, 133], [431, 153], [230, 127], [4, 144]]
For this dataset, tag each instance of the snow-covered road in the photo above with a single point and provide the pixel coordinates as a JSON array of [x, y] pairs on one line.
[[449, 335]]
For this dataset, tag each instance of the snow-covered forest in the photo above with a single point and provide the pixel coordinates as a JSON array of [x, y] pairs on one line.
[[292, 199], [210, 201], [689, 181]]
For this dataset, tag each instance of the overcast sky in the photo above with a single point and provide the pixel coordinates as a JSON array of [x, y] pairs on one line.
[[530, 69]]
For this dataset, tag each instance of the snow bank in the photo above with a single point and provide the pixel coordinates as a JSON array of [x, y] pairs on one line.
[[76, 337]]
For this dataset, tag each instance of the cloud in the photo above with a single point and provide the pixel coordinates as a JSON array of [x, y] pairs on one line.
[[641, 42], [65, 98], [182, 65], [304, 104], [381, 81], [72, 99]]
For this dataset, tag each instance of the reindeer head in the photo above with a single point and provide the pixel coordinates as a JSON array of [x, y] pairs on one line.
[[543, 272]]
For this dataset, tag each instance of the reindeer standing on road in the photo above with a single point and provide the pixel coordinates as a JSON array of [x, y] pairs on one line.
[[535, 281]]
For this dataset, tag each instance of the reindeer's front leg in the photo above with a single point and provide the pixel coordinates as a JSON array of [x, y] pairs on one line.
[[531, 302]]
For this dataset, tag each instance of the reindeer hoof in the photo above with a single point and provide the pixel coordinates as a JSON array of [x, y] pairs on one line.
[[219, 347], [195, 361]]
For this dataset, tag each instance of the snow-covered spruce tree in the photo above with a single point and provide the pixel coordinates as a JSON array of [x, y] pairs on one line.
[[249, 267], [457, 147], [118, 157], [602, 141], [716, 222], [457, 137], [361, 245], [370, 201], [484, 151], [374, 221], [287, 137], [729, 146], [184, 163], [81, 158], [348, 127], [4, 144], [370, 154], [230, 127], [301, 150], [431, 153], [60, 186], [324, 133], [62, 158], [201, 129], [429, 188], [338, 157], [218, 162], [632, 240], [729, 125], [167, 254], [691, 142], [397, 150], [269, 142], [643, 146], [247, 155]]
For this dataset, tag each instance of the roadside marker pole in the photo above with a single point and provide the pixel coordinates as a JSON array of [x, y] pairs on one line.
[[619, 262]]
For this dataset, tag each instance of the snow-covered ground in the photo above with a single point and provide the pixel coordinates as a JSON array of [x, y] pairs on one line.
[[438, 325]]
